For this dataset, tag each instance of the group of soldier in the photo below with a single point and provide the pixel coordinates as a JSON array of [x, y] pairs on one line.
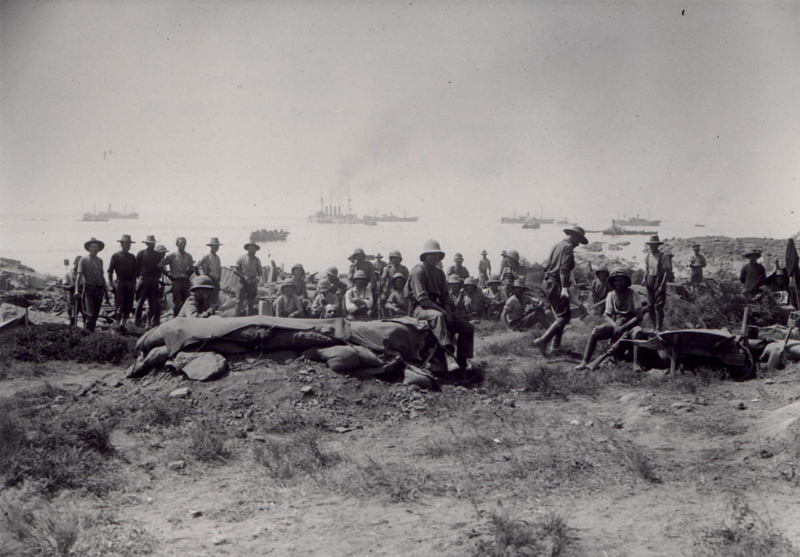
[[449, 301]]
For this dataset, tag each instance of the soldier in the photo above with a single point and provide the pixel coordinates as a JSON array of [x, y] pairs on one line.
[[337, 286], [248, 269], [181, 268], [147, 289], [458, 269], [398, 304], [73, 301], [497, 297], [427, 290], [387, 276], [299, 279], [510, 264], [521, 312], [696, 265], [599, 289], [211, 266], [199, 304], [358, 299], [753, 274], [326, 303], [623, 312], [91, 283], [472, 303], [380, 265], [289, 304], [123, 263], [556, 283], [657, 268], [484, 270], [360, 263]]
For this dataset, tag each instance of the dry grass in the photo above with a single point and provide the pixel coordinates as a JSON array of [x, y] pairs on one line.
[[294, 456], [547, 536], [207, 442], [33, 526]]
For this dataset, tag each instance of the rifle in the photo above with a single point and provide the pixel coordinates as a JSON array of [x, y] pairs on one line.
[[616, 340], [242, 277]]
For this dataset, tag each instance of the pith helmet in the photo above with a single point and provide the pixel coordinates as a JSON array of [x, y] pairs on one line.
[[359, 275], [579, 232], [494, 279], [454, 279], [286, 283], [126, 238], [178, 240], [520, 283], [333, 271], [398, 276], [600, 269], [513, 254], [324, 285], [395, 253], [94, 241], [458, 256], [161, 248], [431, 246], [298, 266], [621, 273], [202, 283], [470, 281], [358, 251]]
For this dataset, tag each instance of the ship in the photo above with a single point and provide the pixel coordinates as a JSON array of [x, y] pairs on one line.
[[264, 235], [616, 230], [334, 214], [391, 217], [532, 223], [94, 216], [515, 219], [638, 221], [110, 214]]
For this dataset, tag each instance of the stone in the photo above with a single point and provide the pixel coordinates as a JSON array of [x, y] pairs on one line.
[[308, 390], [182, 392], [510, 402], [177, 465], [195, 514]]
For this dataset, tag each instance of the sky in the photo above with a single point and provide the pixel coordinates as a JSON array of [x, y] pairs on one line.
[[681, 110]]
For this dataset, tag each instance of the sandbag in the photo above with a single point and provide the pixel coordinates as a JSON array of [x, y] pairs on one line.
[[346, 358], [155, 358], [774, 354], [199, 366]]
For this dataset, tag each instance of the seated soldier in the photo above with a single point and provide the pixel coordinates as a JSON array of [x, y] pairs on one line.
[[299, 279], [472, 303], [198, 304], [624, 312], [289, 304], [508, 284], [397, 304], [454, 284], [427, 289], [324, 299], [522, 312], [599, 289], [496, 296], [358, 299]]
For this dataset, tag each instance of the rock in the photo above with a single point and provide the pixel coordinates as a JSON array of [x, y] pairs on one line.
[[177, 465], [739, 405], [195, 514], [765, 454], [341, 429], [618, 425], [220, 540], [241, 434], [182, 392], [308, 390], [510, 402], [680, 405]]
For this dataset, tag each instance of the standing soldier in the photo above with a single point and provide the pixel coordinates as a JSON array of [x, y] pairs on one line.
[[510, 264], [91, 282], [657, 268], [427, 290], [753, 273], [696, 264], [380, 265], [181, 268], [248, 269], [124, 264], [73, 301], [147, 289], [484, 270], [556, 283], [211, 267], [458, 268]]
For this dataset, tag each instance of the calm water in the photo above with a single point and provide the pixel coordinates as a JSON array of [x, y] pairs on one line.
[[44, 243]]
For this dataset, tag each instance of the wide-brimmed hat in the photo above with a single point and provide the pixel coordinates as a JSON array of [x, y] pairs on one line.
[[780, 273], [431, 246], [360, 275], [494, 279], [298, 266], [287, 282], [513, 254], [94, 241], [756, 252], [248, 244], [454, 279], [621, 273], [503, 253], [484, 252], [696, 246], [202, 282], [395, 253], [399, 276], [470, 281], [654, 241], [126, 238], [519, 283], [578, 231], [214, 242], [151, 239], [509, 273], [378, 256], [600, 269], [357, 251]]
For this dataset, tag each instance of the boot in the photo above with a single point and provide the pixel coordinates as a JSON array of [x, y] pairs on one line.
[[542, 342], [588, 352]]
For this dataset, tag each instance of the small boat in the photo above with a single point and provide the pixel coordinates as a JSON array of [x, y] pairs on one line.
[[699, 225], [515, 219], [264, 235], [532, 223]]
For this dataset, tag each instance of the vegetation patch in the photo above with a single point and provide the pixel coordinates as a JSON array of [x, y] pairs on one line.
[[548, 535], [49, 341], [299, 454]]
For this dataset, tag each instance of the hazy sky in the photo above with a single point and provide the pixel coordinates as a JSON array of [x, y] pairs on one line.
[[577, 108]]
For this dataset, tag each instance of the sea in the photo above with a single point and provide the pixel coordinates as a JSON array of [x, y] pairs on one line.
[[45, 243]]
